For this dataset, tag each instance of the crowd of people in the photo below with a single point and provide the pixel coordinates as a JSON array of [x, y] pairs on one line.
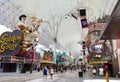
[[94, 71], [58, 69], [90, 71]]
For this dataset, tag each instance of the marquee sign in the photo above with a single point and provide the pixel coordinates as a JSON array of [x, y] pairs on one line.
[[10, 42], [98, 62]]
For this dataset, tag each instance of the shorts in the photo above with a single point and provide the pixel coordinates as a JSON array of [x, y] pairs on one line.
[[51, 74], [45, 73], [94, 73]]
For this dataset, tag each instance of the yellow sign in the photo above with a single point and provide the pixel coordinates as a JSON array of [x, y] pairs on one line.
[[98, 62]]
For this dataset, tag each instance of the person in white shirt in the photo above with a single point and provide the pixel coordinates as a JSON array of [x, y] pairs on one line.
[[94, 72], [51, 72], [101, 71]]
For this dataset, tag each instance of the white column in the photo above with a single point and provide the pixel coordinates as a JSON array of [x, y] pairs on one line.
[[54, 55]]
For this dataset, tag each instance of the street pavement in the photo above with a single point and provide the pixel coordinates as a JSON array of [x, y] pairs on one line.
[[64, 77]]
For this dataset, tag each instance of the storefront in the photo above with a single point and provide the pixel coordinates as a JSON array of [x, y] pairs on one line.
[[9, 50], [47, 60], [31, 60], [11, 64], [112, 32]]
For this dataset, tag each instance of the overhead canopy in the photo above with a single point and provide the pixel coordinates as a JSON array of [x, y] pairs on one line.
[[112, 30], [69, 32]]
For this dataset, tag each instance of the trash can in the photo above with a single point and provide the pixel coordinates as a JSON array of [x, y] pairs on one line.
[[80, 74]]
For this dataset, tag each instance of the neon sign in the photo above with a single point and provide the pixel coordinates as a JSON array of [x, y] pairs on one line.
[[10, 42]]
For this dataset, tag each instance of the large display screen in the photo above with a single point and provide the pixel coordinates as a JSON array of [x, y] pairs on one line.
[[98, 48]]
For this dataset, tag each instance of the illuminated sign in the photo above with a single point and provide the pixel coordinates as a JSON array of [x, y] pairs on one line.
[[10, 43], [98, 62], [84, 23]]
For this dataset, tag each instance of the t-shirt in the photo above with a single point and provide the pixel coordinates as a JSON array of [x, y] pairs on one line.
[[94, 70], [51, 71], [45, 70]]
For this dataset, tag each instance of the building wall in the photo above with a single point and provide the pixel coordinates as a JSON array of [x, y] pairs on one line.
[[115, 58], [118, 50]]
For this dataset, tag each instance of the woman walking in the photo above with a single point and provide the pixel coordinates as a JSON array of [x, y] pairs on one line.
[[51, 72]]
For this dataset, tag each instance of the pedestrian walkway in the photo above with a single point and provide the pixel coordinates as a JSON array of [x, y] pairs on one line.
[[100, 80], [45, 80], [73, 77], [57, 77], [89, 78], [18, 77]]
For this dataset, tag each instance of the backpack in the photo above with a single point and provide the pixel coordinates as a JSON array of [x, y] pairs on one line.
[[45, 70]]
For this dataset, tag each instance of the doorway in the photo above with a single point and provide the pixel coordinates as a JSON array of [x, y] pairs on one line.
[[9, 67]]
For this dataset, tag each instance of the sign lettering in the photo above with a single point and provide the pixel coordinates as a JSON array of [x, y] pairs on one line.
[[10, 42]]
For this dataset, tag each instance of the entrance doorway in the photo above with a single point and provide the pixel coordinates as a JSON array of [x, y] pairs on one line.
[[9, 67]]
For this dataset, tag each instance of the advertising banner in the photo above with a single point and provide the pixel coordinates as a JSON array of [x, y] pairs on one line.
[[84, 23], [47, 57]]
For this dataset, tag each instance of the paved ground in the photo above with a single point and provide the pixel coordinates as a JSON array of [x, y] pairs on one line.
[[17, 77], [65, 77]]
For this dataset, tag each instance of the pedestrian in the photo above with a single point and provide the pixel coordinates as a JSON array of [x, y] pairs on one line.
[[94, 72], [51, 72], [45, 70], [71, 68], [38, 67], [101, 71], [61, 69]]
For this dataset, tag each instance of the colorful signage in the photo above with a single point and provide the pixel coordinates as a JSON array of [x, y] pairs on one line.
[[10, 43], [7, 59], [47, 57], [31, 55], [84, 23], [17, 59], [61, 58]]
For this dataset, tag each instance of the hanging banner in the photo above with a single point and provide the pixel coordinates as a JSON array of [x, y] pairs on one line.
[[84, 23], [10, 43]]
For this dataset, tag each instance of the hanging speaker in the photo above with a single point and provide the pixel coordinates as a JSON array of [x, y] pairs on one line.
[[82, 12]]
